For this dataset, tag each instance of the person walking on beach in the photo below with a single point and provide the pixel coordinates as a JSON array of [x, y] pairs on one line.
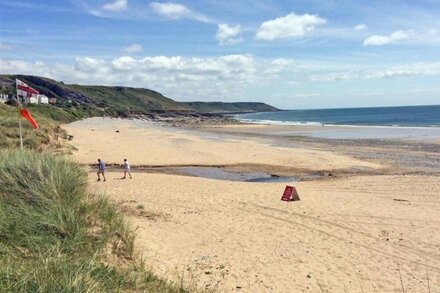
[[101, 169], [126, 169]]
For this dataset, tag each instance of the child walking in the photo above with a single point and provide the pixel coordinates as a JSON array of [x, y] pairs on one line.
[[101, 169], [126, 169]]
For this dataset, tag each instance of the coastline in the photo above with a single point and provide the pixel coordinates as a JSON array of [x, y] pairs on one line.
[[376, 205]]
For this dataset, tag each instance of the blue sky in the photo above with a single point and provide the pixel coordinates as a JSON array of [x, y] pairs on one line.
[[292, 54]]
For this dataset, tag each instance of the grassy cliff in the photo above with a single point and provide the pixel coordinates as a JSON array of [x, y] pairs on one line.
[[135, 100], [86, 101], [238, 107]]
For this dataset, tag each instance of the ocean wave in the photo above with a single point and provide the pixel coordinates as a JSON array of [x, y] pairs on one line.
[[274, 122], [314, 123]]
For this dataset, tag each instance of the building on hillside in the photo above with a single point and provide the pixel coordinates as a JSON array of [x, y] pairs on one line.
[[42, 99], [52, 101], [4, 98], [31, 100]]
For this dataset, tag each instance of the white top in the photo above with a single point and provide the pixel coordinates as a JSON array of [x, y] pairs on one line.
[[126, 165]]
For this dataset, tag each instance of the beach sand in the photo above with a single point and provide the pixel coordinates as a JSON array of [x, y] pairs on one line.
[[161, 146], [353, 233]]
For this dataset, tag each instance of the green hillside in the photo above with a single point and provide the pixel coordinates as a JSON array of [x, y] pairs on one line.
[[239, 107], [90, 100], [84, 101], [133, 99]]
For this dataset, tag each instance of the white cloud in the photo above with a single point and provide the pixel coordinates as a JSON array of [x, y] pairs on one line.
[[379, 40], [406, 70], [289, 26], [177, 11], [360, 27], [304, 96], [95, 12], [116, 5], [276, 66], [24, 67], [334, 76], [87, 65], [134, 48], [177, 77], [228, 35]]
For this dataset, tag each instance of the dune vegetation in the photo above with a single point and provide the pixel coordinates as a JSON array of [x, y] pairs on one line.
[[57, 237], [43, 138]]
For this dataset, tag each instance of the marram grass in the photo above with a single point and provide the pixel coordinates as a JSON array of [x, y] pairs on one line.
[[54, 237]]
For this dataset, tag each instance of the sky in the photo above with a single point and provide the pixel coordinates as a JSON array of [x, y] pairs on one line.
[[300, 54]]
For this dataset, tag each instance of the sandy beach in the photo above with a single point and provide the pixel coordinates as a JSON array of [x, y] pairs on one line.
[[372, 226], [154, 145]]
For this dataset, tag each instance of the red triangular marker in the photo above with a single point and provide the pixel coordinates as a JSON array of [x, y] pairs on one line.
[[290, 194]]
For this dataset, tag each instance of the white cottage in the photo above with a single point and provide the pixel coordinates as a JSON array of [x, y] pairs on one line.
[[42, 99], [31, 100]]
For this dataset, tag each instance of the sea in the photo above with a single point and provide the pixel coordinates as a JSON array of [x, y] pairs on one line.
[[411, 122]]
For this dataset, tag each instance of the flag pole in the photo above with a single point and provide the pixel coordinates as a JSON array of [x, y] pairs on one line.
[[21, 133], [23, 111], [19, 115]]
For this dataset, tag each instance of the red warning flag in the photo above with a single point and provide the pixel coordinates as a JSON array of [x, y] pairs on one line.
[[26, 114]]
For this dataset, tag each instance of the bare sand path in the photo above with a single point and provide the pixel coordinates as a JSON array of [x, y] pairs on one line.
[[356, 234]]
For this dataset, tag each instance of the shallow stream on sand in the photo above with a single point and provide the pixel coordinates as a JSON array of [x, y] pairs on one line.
[[231, 175], [214, 172]]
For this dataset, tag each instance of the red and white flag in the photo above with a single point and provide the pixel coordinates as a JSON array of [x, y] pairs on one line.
[[24, 90]]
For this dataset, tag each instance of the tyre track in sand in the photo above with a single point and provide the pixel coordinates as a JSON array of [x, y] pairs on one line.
[[370, 242]]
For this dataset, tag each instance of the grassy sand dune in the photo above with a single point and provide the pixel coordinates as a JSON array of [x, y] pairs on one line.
[[56, 237], [45, 137]]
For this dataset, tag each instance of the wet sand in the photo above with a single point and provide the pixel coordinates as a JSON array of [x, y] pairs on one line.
[[416, 156], [360, 230], [149, 144], [339, 131]]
